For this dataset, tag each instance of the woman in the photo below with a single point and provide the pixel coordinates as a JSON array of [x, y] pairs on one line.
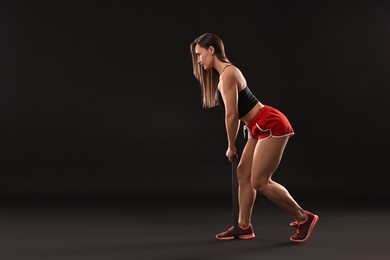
[[268, 131]]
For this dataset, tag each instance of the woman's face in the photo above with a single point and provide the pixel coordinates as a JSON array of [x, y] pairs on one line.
[[204, 57]]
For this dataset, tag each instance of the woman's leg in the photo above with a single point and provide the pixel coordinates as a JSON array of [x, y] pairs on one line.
[[267, 156], [247, 194]]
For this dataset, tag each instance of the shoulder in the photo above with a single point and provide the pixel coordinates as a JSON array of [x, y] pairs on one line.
[[231, 77], [231, 73]]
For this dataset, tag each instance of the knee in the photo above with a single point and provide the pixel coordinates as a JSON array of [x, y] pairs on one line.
[[243, 172], [260, 186]]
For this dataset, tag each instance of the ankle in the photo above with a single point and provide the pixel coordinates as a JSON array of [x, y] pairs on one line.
[[302, 218], [243, 225]]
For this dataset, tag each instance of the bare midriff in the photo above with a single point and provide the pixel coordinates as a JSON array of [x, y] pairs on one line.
[[252, 113]]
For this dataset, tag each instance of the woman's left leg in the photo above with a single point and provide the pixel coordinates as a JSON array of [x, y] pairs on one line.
[[267, 156]]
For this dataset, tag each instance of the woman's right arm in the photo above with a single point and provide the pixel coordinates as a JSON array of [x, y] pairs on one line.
[[229, 92]]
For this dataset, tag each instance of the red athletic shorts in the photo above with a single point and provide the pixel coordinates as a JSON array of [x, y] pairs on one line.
[[269, 122]]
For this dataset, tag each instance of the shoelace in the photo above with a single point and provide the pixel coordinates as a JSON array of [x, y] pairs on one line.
[[297, 225], [298, 229]]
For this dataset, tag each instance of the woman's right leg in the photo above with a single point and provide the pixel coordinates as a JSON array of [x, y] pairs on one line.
[[246, 192]]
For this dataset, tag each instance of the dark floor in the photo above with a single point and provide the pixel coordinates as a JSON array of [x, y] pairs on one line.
[[160, 230]]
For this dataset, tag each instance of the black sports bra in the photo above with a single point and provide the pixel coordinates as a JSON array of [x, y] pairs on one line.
[[246, 101]]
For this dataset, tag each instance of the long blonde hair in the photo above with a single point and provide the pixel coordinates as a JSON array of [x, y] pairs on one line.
[[208, 79]]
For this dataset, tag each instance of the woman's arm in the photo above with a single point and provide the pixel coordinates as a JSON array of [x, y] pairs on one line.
[[229, 92]]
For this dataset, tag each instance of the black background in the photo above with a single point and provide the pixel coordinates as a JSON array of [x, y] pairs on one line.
[[98, 99]]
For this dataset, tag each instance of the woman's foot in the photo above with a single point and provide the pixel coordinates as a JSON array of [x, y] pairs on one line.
[[304, 230], [247, 233]]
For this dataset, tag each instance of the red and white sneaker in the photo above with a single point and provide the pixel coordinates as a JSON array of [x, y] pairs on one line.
[[304, 230], [247, 233]]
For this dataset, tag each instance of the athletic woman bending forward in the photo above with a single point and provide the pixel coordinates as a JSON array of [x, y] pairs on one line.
[[268, 131]]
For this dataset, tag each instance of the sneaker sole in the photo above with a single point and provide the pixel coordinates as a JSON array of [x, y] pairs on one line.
[[312, 225], [243, 237]]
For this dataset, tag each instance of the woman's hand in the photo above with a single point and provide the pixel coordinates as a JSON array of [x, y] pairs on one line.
[[231, 151]]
